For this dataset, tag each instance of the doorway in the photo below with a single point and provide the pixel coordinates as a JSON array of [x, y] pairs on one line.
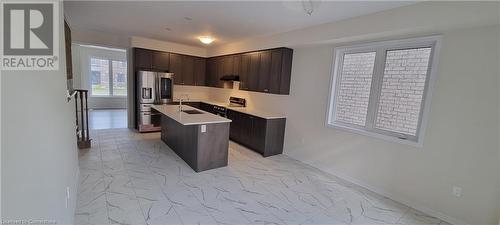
[[103, 71]]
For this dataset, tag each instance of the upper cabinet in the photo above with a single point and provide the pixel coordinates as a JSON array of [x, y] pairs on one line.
[[267, 71], [200, 71], [187, 70], [161, 60], [176, 68], [143, 58]]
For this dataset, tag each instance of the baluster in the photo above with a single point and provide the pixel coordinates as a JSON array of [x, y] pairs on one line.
[[81, 113], [76, 114], [87, 116]]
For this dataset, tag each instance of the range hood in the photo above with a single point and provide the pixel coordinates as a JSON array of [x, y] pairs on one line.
[[230, 78]]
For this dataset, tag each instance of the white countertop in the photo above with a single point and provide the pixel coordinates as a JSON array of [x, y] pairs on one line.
[[183, 118], [246, 110]]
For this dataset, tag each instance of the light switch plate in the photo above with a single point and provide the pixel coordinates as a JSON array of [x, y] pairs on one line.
[[203, 128]]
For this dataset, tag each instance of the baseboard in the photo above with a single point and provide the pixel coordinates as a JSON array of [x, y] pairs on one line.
[[394, 197]]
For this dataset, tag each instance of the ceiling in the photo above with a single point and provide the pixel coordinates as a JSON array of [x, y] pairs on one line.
[[183, 22]]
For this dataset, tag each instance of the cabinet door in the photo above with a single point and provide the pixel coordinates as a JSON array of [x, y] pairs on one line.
[[236, 64], [258, 134], [286, 70], [187, 70], [143, 58], [264, 71], [275, 73], [244, 71], [161, 60], [253, 74], [235, 126], [200, 72], [227, 65], [176, 67], [210, 72], [219, 61]]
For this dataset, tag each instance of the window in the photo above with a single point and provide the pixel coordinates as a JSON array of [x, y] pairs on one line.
[[102, 84], [383, 89]]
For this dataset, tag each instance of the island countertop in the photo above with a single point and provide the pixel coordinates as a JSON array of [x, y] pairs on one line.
[[183, 118]]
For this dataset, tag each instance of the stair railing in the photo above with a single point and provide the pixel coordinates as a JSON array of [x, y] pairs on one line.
[[82, 119]]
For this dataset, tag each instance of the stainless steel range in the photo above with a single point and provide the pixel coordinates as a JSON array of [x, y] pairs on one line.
[[233, 102]]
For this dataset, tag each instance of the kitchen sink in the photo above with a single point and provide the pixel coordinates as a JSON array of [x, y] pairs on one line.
[[192, 111]]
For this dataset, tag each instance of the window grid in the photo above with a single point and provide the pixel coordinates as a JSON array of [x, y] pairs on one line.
[[107, 77], [380, 122]]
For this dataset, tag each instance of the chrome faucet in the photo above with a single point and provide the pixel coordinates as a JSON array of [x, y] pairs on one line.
[[181, 99]]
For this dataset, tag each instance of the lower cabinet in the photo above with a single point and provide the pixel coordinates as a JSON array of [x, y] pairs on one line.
[[264, 136]]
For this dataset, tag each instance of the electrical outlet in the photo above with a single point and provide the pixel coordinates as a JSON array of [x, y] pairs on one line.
[[456, 191], [203, 128]]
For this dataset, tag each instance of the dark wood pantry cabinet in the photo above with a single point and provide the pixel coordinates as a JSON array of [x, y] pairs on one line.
[[267, 71]]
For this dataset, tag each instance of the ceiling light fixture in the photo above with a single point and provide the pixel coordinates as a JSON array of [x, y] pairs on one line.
[[206, 39]]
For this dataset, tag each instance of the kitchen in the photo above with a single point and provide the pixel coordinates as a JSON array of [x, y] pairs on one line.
[[266, 71], [259, 112]]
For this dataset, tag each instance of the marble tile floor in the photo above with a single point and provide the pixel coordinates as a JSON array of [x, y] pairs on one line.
[[107, 118], [135, 179]]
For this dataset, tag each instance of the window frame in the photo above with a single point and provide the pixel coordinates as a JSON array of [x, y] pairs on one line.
[[110, 77], [381, 49]]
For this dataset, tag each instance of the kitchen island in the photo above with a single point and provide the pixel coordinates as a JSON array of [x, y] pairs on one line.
[[200, 138]]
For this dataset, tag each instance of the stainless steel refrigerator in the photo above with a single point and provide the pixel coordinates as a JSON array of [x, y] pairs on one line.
[[152, 88]]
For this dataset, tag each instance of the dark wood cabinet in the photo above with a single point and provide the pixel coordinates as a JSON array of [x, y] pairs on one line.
[[200, 69], [265, 136], [143, 58], [267, 71], [274, 79], [253, 74], [187, 70], [211, 72], [264, 71], [244, 71], [176, 67], [219, 65], [227, 65], [160, 61]]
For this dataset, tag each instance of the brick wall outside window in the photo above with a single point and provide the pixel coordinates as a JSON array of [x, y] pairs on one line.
[[402, 90], [355, 83]]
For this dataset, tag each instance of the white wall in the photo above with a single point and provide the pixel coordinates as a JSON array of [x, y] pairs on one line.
[[39, 153], [460, 147], [81, 70]]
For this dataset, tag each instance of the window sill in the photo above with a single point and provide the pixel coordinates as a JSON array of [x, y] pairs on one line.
[[412, 143]]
